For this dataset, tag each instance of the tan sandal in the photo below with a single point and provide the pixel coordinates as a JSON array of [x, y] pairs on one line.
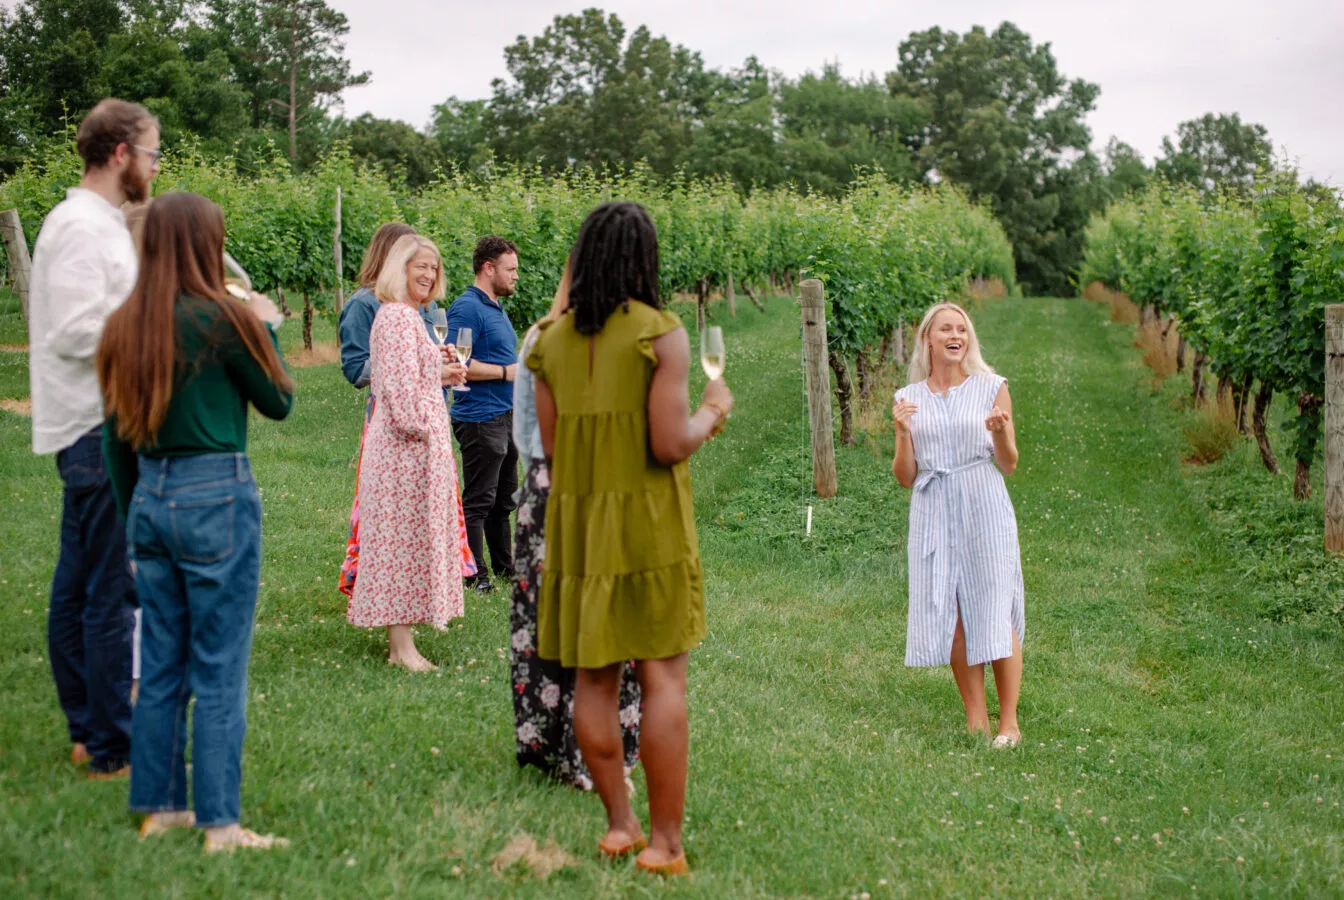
[[155, 823], [248, 840]]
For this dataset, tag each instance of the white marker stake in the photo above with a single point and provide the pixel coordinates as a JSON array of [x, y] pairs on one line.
[[809, 521]]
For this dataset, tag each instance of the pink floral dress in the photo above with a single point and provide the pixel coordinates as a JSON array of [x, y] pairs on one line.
[[410, 556]]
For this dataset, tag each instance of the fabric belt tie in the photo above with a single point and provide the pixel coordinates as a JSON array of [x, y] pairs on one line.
[[939, 520]]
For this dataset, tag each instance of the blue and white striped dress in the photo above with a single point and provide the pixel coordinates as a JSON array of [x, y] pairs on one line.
[[963, 530]]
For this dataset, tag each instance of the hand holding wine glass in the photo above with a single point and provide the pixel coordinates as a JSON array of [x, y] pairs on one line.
[[718, 398], [713, 360], [265, 309], [463, 347]]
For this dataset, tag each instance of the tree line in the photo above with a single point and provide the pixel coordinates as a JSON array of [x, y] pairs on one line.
[[986, 110]]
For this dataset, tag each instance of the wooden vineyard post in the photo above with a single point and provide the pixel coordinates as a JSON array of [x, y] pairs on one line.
[[701, 301], [732, 297], [16, 245], [818, 378], [336, 240], [1334, 427]]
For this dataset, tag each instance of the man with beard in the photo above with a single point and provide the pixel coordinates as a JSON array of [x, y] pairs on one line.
[[84, 266], [483, 415]]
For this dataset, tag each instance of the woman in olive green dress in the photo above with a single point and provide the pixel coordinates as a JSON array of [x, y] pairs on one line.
[[622, 578]]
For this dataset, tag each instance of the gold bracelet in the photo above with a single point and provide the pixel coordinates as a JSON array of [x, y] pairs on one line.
[[718, 422]]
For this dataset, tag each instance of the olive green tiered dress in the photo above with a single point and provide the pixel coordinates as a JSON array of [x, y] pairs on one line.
[[622, 575]]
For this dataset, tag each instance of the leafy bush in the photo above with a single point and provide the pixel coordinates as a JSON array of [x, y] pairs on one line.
[[1247, 278]]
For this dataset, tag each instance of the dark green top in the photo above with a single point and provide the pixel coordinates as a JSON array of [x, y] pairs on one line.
[[216, 379]]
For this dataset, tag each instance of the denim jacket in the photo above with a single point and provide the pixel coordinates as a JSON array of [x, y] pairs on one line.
[[355, 322], [526, 429]]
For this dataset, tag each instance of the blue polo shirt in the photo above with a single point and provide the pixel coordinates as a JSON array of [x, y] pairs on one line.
[[494, 343]]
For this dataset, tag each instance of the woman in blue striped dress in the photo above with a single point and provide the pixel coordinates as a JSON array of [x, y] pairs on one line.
[[954, 444]]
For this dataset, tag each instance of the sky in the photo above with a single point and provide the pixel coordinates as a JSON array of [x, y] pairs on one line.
[[1158, 62]]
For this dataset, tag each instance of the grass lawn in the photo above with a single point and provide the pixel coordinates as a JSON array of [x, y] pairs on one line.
[[1178, 741]]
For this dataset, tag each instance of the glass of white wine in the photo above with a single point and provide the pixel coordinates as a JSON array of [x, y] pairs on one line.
[[463, 346], [438, 317], [236, 280], [711, 352]]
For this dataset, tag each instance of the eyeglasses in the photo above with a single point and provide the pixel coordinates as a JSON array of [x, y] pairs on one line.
[[154, 155]]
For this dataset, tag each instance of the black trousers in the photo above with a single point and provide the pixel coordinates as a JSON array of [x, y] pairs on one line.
[[490, 479]]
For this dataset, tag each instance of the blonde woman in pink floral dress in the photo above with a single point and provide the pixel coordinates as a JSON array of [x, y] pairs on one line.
[[411, 554]]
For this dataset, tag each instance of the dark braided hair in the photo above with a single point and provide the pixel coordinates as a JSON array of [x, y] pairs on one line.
[[614, 261]]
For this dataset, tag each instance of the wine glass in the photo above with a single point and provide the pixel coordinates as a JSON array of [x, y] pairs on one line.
[[236, 280], [711, 352], [463, 346], [438, 317]]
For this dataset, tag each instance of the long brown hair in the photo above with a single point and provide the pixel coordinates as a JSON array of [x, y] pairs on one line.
[[387, 234], [183, 253]]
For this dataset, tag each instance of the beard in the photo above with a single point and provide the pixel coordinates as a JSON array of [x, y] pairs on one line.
[[503, 289], [135, 184]]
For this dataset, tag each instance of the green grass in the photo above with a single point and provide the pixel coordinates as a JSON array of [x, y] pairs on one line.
[[1178, 741]]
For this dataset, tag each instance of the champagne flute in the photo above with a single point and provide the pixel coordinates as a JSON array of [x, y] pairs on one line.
[[711, 352], [438, 317], [463, 346], [236, 280]]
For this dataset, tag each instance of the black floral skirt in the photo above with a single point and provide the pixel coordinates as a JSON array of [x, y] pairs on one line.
[[543, 690]]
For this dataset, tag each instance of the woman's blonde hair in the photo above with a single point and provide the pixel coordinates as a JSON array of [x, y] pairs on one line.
[[971, 364], [392, 281], [560, 302]]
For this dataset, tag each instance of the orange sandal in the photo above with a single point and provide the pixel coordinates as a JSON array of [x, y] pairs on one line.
[[616, 851], [671, 868]]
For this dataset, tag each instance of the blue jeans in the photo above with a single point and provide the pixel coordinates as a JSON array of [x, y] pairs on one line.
[[195, 534], [91, 622]]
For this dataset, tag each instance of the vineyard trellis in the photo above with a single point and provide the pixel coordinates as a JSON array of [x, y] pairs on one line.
[[884, 251], [1247, 278]]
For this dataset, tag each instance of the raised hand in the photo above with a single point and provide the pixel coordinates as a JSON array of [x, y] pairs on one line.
[[265, 309], [997, 420], [901, 412]]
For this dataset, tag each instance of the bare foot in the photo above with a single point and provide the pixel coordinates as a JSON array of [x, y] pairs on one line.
[[414, 663], [232, 837], [1007, 739]]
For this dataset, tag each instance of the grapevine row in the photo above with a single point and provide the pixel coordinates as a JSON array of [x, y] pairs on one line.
[[884, 252], [1246, 278]]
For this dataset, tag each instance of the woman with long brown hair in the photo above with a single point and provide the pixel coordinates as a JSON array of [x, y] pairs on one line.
[[179, 364], [543, 689]]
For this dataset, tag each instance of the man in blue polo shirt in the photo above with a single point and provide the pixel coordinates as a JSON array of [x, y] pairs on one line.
[[483, 416]]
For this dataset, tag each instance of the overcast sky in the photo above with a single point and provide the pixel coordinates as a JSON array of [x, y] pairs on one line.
[[1158, 62]]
